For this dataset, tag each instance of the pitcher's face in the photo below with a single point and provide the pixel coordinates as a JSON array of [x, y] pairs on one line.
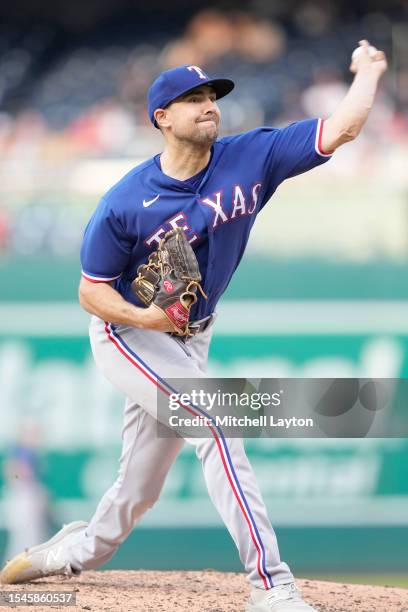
[[194, 117]]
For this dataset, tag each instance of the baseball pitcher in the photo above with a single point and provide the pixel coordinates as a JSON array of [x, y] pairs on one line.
[[157, 255]]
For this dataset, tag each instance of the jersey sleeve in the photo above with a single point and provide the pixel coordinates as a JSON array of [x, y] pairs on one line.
[[105, 248], [292, 150], [297, 148]]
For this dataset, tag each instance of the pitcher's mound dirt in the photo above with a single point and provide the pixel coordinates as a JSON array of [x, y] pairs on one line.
[[207, 591]]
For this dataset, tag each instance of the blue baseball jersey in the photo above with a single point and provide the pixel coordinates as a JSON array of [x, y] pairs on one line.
[[217, 209]]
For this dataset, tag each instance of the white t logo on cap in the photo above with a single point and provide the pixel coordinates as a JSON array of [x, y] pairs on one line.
[[199, 71]]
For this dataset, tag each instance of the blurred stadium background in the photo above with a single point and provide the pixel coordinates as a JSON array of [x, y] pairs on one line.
[[333, 248]]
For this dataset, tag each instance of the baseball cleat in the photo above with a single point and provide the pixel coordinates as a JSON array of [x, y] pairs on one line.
[[48, 559], [282, 598]]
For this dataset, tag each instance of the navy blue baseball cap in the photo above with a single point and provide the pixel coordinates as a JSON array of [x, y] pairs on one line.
[[173, 83]]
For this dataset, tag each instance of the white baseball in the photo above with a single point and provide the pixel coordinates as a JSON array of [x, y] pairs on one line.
[[371, 51]]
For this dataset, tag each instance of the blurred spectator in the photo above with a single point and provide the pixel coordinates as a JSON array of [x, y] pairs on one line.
[[212, 35], [257, 40], [25, 497], [208, 36], [106, 127], [315, 18]]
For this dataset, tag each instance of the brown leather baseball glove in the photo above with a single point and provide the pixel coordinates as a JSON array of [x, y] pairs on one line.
[[170, 280]]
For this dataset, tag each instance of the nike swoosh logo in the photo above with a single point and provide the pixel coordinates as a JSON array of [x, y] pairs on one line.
[[147, 203]]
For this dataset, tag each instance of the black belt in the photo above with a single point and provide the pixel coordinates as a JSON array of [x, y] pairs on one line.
[[196, 327]]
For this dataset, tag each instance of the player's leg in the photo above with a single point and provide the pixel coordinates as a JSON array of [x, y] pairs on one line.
[[236, 496], [145, 461], [232, 486], [144, 464], [146, 457], [285, 596]]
